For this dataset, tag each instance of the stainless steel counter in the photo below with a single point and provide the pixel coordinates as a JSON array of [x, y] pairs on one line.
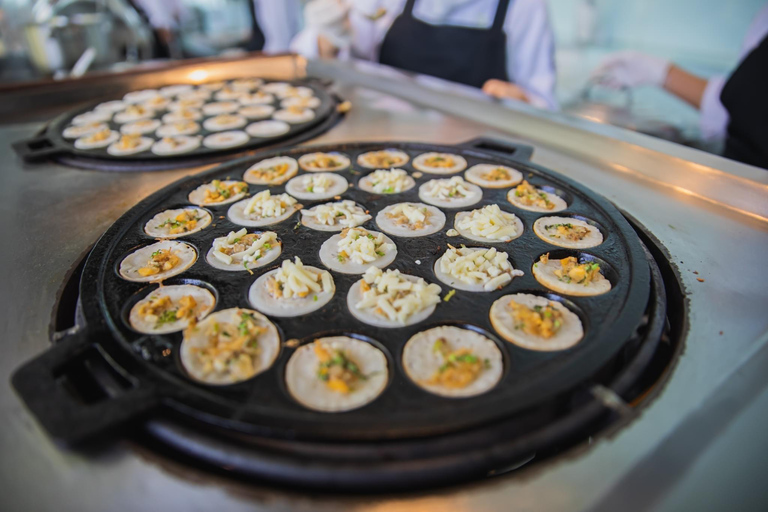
[[700, 442]]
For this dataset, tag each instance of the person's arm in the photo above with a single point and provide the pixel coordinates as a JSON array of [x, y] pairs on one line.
[[530, 56], [686, 86]]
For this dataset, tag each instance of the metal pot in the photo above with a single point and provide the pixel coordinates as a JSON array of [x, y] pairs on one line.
[[58, 42], [621, 114]]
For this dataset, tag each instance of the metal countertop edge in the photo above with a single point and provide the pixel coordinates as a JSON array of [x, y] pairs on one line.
[[649, 482]]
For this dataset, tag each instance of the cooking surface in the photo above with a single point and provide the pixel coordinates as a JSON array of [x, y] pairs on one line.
[[52, 214]]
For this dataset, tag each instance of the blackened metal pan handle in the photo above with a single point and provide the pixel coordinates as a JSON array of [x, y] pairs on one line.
[[521, 152], [37, 149], [41, 384]]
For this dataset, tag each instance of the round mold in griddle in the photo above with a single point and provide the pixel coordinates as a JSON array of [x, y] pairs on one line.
[[261, 406]]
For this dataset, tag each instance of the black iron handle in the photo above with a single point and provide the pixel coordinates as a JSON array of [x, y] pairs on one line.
[[41, 385], [521, 152], [37, 149]]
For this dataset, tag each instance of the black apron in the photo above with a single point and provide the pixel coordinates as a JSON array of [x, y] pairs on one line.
[[460, 54], [745, 96], [256, 41]]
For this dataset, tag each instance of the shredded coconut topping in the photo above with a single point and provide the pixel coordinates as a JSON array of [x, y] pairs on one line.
[[407, 214], [265, 205], [451, 188], [241, 247], [490, 222], [293, 280], [395, 297], [487, 267], [389, 181], [341, 213], [317, 183], [360, 246]]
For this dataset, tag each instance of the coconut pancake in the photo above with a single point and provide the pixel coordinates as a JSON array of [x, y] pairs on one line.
[[229, 346], [176, 145], [293, 289], [355, 249], [223, 140], [493, 176], [317, 186], [453, 362], [171, 308], [324, 162], [271, 171], [567, 232], [294, 115], [336, 373], [475, 269], [158, 261], [571, 276], [535, 323], [534, 199], [218, 192], [439, 163], [177, 222], [98, 139], [391, 299], [240, 250], [383, 159], [488, 225], [263, 209], [334, 216], [410, 219], [386, 181], [450, 193], [267, 129]]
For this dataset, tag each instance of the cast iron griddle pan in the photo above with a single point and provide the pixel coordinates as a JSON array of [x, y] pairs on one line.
[[154, 376], [51, 145]]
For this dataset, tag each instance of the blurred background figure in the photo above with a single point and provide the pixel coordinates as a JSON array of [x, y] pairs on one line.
[[505, 47], [165, 17], [735, 106]]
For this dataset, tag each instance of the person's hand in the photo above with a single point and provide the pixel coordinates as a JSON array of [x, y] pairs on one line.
[[330, 20], [631, 69], [505, 90]]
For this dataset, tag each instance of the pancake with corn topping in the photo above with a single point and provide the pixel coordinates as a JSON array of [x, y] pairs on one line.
[[218, 192], [272, 171], [535, 323], [383, 159], [567, 232], [534, 199], [97, 139], [158, 261], [453, 362], [228, 139], [336, 373], [224, 122], [571, 276], [176, 145], [177, 222], [439, 163], [323, 162], [171, 308], [267, 129], [493, 176], [229, 346], [294, 115]]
